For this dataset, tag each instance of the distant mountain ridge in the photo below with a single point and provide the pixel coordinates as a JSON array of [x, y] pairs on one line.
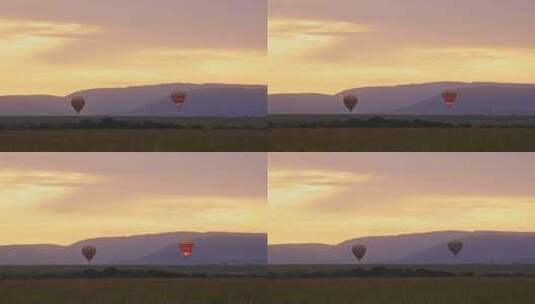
[[227, 248], [150, 100], [422, 248], [477, 98], [211, 248]]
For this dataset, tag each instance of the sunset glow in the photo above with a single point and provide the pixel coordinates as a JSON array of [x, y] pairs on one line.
[[66, 46], [59, 199], [317, 46], [367, 194]]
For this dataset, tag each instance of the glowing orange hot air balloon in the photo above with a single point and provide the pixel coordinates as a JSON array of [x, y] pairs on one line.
[[359, 251], [179, 98], [450, 98], [186, 248], [89, 252], [455, 247], [78, 104], [350, 101]]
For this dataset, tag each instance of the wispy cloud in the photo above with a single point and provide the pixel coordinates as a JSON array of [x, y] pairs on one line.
[[61, 198], [302, 187], [31, 29], [318, 46], [70, 45], [336, 196]]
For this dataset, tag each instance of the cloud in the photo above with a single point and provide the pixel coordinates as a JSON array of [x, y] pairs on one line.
[[184, 23], [21, 178], [388, 42], [61, 198], [70, 45], [20, 28], [291, 188], [333, 197], [24, 192]]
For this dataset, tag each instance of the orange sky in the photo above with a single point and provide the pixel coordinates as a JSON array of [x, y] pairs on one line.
[[60, 198], [326, 47], [61, 46], [332, 197]]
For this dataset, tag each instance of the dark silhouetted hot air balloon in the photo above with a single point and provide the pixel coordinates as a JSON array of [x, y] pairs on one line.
[[455, 247], [179, 98], [186, 248], [350, 101], [359, 251], [450, 98], [89, 252], [78, 104]]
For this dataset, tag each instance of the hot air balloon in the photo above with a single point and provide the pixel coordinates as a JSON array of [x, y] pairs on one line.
[[89, 252], [179, 98], [450, 98], [455, 247], [186, 248], [78, 104], [350, 101], [359, 251]]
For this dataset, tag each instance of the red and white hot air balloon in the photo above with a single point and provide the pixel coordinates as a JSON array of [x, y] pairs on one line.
[[450, 98], [179, 98], [186, 248]]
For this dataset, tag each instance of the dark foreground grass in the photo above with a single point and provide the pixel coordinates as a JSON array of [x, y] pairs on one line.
[[269, 291], [272, 140], [103, 140], [401, 139]]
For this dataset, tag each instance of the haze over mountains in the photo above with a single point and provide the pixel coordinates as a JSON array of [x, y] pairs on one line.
[[250, 100], [211, 248], [424, 248], [221, 248], [154, 100], [415, 99]]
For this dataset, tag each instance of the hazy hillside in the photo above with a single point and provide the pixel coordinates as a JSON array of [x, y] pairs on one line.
[[223, 249], [248, 99], [145, 249], [211, 102], [304, 104], [483, 248], [30, 105], [484, 100], [480, 247], [475, 98]]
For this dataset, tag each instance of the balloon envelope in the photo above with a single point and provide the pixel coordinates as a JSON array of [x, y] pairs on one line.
[[186, 248], [455, 247], [78, 104], [89, 252], [359, 251], [350, 101], [179, 98], [450, 98]]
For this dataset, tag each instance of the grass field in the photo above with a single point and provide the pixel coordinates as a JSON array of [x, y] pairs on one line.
[[330, 133], [456, 269], [401, 139], [273, 140], [103, 140], [267, 291], [476, 120], [205, 122], [252, 285], [507, 134], [207, 270], [128, 134]]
